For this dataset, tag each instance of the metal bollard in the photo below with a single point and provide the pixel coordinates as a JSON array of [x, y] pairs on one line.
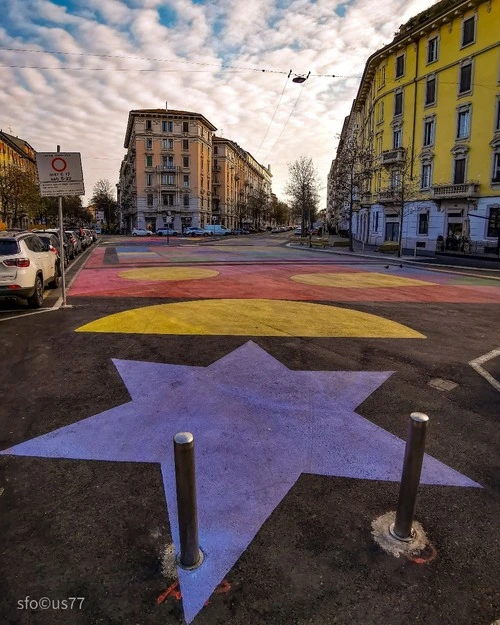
[[412, 467], [190, 555]]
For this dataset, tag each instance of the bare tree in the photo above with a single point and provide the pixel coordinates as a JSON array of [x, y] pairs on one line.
[[303, 189], [404, 188], [103, 200], [352, 172]]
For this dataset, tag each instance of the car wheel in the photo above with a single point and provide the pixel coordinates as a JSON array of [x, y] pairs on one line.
[[36, 300]]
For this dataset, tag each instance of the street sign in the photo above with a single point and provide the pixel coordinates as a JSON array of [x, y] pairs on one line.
[[60, 173]]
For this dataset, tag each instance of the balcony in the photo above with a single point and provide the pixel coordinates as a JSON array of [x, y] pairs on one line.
[[388, 196], [365, 199], [390, 157], [169, 168], [455, 191]]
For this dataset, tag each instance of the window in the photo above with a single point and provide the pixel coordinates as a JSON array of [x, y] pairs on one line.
[[432, 50], [216, 149], [379, 144], [497, 116], [382, 76], [185, 181], [167, 199], [468, 31], [429, 131], [149, 144], [34, 244], [459, 170], [496, 167], [185, 145], [494, 222], [167, 144], [400, 65], [465, 81], [186, 200], [167, 126], [185, 126], [167, 179], [170, 162], [463, 123], [149, 199], [149, 180], [375, 221], [396, 138], [395, 179], [149, 161], [164, 162], [430, 91], [398, 103], [423, 223], [380, 112], [185, 161], [425, 179], [149, 124]]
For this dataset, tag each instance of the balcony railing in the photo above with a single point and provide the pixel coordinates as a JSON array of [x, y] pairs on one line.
[[389, 196], [445, 191], [365, 199], [170, 168], [389, 157]]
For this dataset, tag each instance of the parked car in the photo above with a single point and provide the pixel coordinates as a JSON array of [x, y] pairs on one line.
[[52, 236], [54, 246], [195, 232], [237, 231], [298, 232], [163, 232], [78, 238], [88, 236], [27, 266], [141, 232], [217, 230], [74, 242]]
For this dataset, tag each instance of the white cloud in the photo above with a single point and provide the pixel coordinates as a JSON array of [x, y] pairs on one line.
[[87, 110]]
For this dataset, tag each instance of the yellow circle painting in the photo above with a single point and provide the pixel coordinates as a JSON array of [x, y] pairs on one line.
[[251, 317], [360, 280], [168, 273]]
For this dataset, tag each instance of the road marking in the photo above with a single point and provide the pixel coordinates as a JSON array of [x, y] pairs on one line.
[[35, 312], [251, 317], [168, 273], [359, 280], [477, 362], [58, 304]]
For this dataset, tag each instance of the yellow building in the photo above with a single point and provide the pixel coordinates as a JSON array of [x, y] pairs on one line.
[[428, 110], [172, 172]]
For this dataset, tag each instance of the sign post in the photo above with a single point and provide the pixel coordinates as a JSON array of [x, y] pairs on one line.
[[60, 174]]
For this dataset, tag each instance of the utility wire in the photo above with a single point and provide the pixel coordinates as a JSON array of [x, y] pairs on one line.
[[286, 123], [275, 111], [142, 58]]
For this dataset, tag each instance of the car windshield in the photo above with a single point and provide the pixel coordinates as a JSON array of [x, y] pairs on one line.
[[8, 247]]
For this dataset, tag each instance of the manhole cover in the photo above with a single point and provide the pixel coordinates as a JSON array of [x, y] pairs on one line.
[[442, 385]]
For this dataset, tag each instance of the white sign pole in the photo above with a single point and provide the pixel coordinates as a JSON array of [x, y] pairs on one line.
[[61, 237]]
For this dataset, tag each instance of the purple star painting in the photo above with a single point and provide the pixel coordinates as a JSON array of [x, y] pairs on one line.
[[257, 427]]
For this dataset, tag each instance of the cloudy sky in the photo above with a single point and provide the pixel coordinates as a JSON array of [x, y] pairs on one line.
[[71, 70]]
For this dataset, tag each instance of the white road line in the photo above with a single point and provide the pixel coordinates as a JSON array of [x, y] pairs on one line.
[[35, 312], [476, 365]]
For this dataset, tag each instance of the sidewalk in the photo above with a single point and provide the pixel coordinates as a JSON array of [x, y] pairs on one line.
[[369, 251]]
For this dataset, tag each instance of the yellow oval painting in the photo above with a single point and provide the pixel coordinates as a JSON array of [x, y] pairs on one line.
[[167, 273], [358, 280], [251, 317]]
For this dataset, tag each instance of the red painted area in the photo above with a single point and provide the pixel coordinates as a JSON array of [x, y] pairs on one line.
[[273, 282]]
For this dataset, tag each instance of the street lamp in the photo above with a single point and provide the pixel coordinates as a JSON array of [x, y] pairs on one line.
[[300, 78]]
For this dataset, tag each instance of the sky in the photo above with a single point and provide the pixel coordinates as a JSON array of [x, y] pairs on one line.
[[71, 70]]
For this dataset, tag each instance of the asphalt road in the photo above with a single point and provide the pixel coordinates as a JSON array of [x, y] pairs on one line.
[[297, 372]]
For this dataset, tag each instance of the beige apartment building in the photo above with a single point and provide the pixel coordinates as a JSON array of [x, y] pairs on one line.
[[177, 171], [166, 175], [241, 187]]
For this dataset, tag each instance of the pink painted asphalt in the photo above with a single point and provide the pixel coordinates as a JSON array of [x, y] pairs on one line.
[[273, 282]]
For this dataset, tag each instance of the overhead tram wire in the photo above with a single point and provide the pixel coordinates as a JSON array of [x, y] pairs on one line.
[[141, 58], [275, 111], [286, 123]]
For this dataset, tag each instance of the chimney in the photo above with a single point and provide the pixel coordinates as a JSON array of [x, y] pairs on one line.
[[166, 105], [269, 167]]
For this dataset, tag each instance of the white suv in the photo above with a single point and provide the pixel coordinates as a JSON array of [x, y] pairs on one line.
[[27, 266]]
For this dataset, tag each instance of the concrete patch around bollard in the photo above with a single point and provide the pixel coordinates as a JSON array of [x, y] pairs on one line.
[[383, 537]]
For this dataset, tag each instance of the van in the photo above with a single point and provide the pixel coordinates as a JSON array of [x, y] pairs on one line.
[[217, 230]]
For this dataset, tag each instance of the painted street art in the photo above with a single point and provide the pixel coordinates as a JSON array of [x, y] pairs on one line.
[[256, 431], [257, 317]]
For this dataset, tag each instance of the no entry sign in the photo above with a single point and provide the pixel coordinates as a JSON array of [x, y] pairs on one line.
[[60, 173]]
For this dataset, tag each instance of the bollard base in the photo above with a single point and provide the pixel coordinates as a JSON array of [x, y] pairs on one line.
[[408, 539], [384, 537], [193, 566]]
